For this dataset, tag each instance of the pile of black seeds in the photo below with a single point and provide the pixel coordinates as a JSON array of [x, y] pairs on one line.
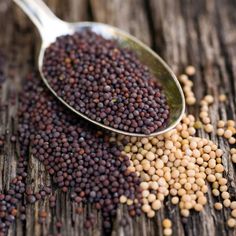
[[18, 191], [10, 199], [106, 83], [80, 158]]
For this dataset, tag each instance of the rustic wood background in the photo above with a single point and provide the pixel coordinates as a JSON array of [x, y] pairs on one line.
[[183, 32]]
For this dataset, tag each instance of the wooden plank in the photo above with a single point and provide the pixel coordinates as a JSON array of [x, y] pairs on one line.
[[127, 15]]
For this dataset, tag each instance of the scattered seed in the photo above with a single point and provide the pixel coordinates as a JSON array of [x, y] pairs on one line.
[[167, 223], [222, 97], [190, 70], [231, 222], [218, 206]]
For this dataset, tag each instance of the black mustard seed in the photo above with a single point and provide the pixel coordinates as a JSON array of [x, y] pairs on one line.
[[79, 157]]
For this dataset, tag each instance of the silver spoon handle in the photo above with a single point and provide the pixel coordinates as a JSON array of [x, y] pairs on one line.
[[43, 18]]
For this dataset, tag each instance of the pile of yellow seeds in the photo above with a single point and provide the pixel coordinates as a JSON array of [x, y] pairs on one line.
[[181, 165]]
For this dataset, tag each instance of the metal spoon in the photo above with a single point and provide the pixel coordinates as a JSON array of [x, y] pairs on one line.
[[50, 27]]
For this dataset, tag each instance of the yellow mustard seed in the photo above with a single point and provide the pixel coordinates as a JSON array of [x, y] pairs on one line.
[[183, 78], [189, 83], [190, 70], [233, 213], [147, 146], [231, 222], [206, 120], [156, 205], [198, 124], [203, 114], [228, 134], [129, 202], [215, 185], [220, 132], [184, 212], [202, 200], [144, 185], [218, 206], [146, 208], [190, 100], [198, 207], [211, 178], [139, 168], [159, 164], [231, 123], [207, 149], [233, 150], [144, 140], [151, 171], [133, 139], [154, 185], [212, 163], [123, 199], [155, 177], [218, 175], [145, 193], [166, 223], [232, 140], [167, 232], [233, 205], [232, 129], [175, 200], [150, 214], [219, 168], [188, 205], [204, 189], [216, 192], [208, 128], [209, 99], [223, 188], [145, 201], [222, 181], [219, 152], [225, 195], [220, 124], [139, 156], [151, 197], [154, 141], [233, 158], [127, 149], [205, 108], [222, 97], [134, 149]]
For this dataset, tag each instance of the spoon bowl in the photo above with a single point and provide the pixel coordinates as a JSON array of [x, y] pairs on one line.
[[50, 27]]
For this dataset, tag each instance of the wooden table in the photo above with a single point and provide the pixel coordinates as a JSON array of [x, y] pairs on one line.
[[183, 32]]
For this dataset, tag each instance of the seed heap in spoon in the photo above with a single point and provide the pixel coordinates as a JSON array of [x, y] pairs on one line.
[[106, 83]]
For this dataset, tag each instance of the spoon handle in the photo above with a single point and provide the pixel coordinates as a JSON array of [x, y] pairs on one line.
[[43, 18]]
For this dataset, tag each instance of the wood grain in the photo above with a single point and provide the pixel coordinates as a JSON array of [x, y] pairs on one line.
[[183, 32]]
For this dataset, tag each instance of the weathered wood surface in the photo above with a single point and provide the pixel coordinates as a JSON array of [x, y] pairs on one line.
[[183, 32]]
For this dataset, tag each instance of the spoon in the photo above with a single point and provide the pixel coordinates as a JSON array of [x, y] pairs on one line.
[[50, 27]]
